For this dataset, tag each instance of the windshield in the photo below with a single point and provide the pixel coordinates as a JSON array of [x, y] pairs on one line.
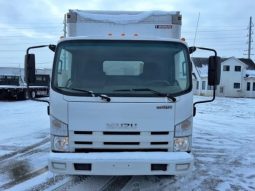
[[119, 67]]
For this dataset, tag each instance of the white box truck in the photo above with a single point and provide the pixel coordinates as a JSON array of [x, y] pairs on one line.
[[121, 100]]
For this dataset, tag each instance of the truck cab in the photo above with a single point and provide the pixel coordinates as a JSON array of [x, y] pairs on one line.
[[121, 100], [145, 125]]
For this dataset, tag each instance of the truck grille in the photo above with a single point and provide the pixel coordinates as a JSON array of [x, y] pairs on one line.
[[121, 141]]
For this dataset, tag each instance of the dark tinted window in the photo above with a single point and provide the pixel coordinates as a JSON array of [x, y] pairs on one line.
[[226, 68], [237, 68], [236, 85], [248, 88]]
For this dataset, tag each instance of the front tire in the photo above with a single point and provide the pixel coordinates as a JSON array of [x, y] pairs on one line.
[[23, 95], [33, 94]]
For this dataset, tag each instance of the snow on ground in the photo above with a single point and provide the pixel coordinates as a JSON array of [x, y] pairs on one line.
[[224, 139], [23, 123], [223, 146], [22, 118]]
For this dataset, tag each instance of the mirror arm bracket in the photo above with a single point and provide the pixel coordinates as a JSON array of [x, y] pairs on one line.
[[209, 49], [214, 87], [28, 89], [33, 47]]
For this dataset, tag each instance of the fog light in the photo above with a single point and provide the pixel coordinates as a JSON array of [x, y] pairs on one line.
[[82, 166], [162, 167], [59, 166], [182, 166]]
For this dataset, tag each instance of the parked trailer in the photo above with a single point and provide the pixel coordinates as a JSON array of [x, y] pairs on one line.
[[13, 86]]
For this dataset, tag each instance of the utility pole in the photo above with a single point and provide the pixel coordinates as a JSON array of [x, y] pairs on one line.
[[250, 40], [249, 43]]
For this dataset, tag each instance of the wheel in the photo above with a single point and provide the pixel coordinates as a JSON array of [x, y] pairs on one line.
[[33, 94], [23, 95], [26, 95]]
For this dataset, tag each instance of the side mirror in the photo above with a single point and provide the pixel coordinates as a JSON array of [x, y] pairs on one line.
[[29, 68], [214, 71]]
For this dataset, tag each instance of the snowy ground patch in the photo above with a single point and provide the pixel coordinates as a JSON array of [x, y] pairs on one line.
[[223, 147], [22, 124]]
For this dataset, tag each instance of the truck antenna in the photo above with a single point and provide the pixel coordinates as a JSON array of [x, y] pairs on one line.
[[195, 37], [64, 22]]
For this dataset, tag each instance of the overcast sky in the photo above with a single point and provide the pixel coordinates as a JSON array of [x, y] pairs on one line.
[[223, 24]]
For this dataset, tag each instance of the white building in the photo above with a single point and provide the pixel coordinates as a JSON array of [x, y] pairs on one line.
[[200, 77], [237, 78]]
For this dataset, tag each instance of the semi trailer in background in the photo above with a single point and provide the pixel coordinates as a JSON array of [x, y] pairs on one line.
[[121, 100], [14, 86]]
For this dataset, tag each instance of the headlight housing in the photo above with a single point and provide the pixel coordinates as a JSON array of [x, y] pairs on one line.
[[181, 144], [59, 135], [60, 143], [184, 128], [58, 127]]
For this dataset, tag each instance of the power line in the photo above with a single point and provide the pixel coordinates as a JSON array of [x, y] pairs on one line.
[[217, 27], [215, 38], [12, 50], [24, 35], [219, 30], [23, 43], [14, 28], [17, 63], [29, 23], [219, 35]]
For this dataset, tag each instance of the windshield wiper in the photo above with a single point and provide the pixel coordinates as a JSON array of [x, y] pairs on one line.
[[102, 96], [123, 90], [173, 99], [156, 92]]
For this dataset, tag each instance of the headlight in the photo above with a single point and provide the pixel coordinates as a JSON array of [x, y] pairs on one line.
[[58, 127], [184, 128], [181, 144], [60, 143]]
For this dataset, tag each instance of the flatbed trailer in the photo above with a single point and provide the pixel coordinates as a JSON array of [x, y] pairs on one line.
[[13, 86]]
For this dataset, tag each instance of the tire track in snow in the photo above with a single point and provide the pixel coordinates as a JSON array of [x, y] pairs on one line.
[[25, 158], [23, 150], [116, 183], [24, 178], [151, 183], [23, 166], [99, 183], [71, 183]]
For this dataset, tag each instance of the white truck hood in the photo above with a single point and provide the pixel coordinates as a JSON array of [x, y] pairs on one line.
[[120, 116]]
